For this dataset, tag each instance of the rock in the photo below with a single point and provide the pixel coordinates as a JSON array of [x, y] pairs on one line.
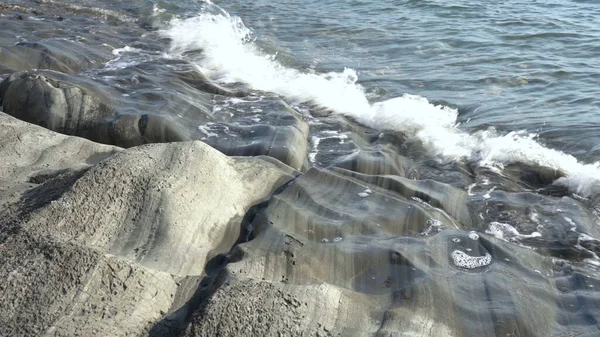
[[378, 163], [427, 191], [55, 101], [388, 274], [148, 200], [273, 309], [33, 155], [48, 284], [52, 54], [101, 241], [75, 106], [80, 107], [201, 82], [61, 289], [129, 130], [324, 260]]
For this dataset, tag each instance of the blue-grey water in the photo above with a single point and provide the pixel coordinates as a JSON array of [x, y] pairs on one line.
[[513, 64]]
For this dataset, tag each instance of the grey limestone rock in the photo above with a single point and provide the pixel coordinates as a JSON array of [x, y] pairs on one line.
[[96, 240]]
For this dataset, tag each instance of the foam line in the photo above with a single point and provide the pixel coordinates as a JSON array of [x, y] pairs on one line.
[[229, 54]]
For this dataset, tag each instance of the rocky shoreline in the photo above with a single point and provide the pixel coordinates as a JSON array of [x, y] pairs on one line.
[[120, 220]]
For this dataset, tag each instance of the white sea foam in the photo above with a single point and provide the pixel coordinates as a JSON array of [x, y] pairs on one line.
[[323, 135], [464, 260], [571, 222], [432, 224], [206, 129], [365, 193], [470, 189], [230, 55], [507, 232], [119, 62], [585, 237], [312, 156]]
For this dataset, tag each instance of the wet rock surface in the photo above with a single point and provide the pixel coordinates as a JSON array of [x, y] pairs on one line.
[[139, 197], [77, 106], [52, 54], [52, 101]]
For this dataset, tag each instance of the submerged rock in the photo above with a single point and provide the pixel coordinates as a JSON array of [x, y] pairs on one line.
[[55, 101], [385, 278], [76, 106], [260, 126], [52, 54], [129, 130], [391, 274]]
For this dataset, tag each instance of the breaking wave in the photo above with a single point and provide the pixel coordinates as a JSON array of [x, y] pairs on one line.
[[229, 54]]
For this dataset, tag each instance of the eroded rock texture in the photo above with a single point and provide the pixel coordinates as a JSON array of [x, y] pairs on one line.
[[84, 244]]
